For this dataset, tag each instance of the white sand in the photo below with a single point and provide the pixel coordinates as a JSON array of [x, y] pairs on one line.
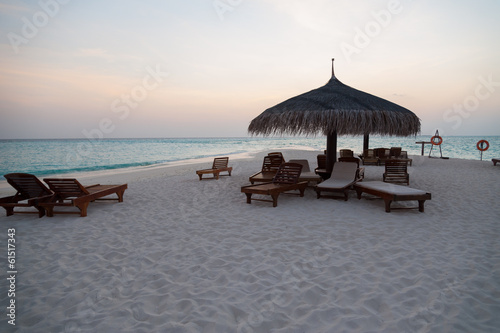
[[180, 255]]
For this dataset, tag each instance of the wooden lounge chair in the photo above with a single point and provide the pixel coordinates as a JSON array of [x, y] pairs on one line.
[[369, 157], [29, 190], [346, 153], [495, 160], [306, 175], [321, 158], [270, 166], [395, 152], [279, 154], [396, 171], [219, 165], [68, 192], [383, 154], [286, 179], [391, 192], [404, 157], [321, 169], [344, 176]]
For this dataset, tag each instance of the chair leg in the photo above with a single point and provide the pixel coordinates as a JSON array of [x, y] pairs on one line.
[[10, 210], [41, 211], [421, 205], [83, 208], [387, 205], [50, 211], [275, 199], [249, 198], [120, 195]]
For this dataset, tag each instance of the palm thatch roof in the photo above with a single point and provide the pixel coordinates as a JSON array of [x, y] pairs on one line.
[[336, 108]]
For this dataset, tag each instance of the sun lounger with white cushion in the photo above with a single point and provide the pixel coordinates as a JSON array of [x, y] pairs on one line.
[[392, 192], [344, 175]]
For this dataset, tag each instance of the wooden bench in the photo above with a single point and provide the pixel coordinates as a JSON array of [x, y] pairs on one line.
[[392, 192]]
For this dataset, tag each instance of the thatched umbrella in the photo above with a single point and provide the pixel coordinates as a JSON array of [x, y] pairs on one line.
[[336, 109]]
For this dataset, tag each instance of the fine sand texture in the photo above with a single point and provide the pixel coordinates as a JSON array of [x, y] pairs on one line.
[[184, 255]]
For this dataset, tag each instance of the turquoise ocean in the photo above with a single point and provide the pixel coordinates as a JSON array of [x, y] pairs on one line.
[[60, 156]]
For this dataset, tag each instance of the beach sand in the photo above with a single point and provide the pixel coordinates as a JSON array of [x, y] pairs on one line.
[[183, 255]]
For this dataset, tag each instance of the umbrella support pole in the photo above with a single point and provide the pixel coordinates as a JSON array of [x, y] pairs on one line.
[[331, 151]]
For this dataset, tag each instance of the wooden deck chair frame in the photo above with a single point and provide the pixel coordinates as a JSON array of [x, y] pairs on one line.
[[369, 157], [285, 180], [346, 153], [396, 171], [383, 154], [68, 192], [270, 166], [219, 165], [29, 191], [393, 192]]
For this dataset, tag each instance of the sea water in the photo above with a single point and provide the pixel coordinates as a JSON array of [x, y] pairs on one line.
[[50, 157]]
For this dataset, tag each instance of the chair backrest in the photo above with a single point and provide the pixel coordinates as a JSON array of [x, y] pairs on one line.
[[349, 159], [66, 187], [278, 154], [346, 153], [381, 152], [271, 163], [220, 162], [344, 171], [321, 158], [27, 186], [394, 167], [369, 153], [288, 173], [304, 163], [396, 151]]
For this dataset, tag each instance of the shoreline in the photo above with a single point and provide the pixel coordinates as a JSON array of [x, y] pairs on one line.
[[4, 186], [192, 256], [98, 174], [145, 152]]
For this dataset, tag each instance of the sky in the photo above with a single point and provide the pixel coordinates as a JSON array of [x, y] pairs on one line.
[[206, 68]]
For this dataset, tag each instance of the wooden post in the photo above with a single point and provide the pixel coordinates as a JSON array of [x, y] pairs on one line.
[[366, 140], [331, 151]]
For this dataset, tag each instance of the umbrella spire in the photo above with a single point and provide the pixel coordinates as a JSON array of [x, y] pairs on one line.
[[333, 72]]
